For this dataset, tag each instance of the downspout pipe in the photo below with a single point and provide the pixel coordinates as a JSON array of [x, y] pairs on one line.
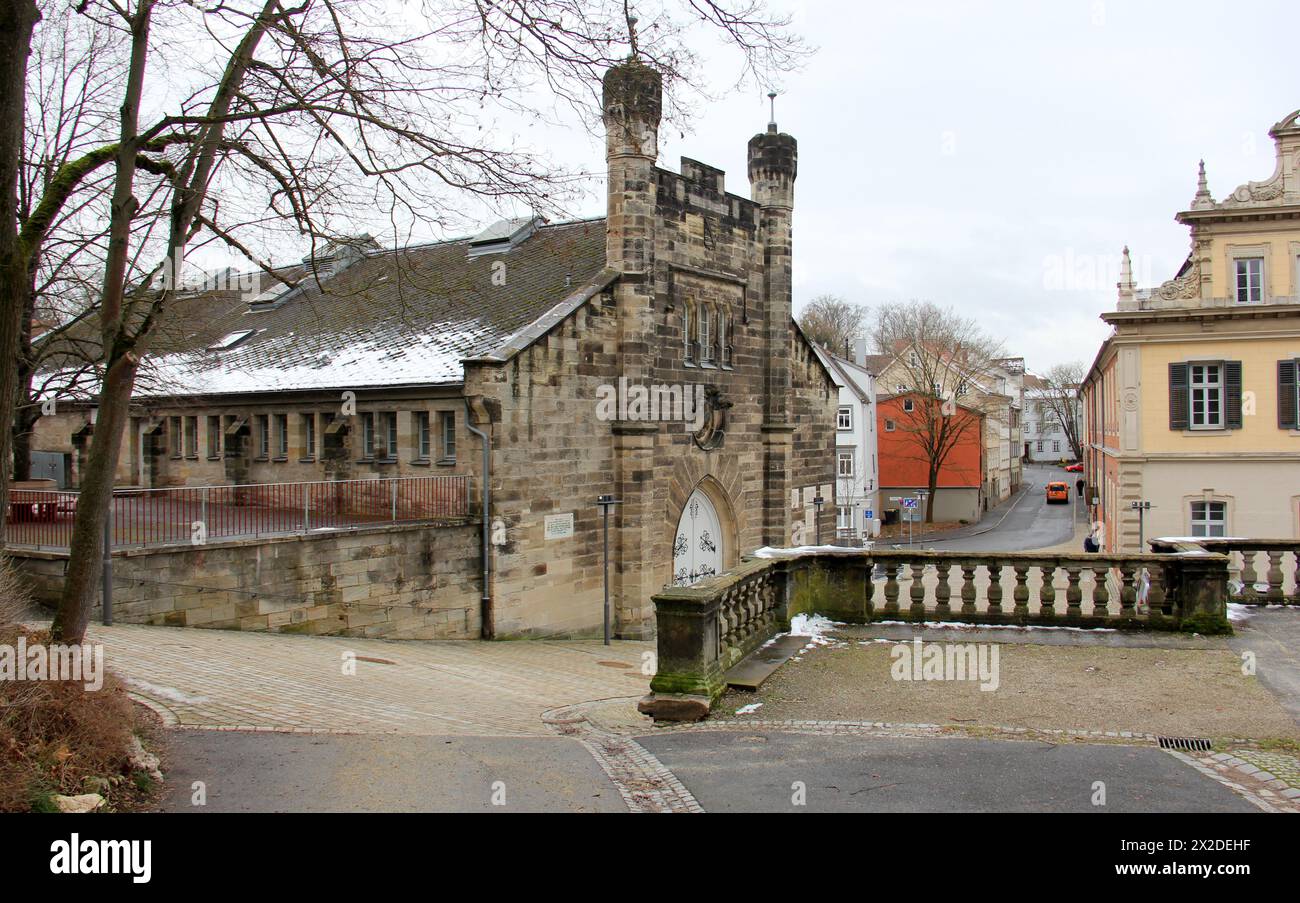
[[487, 629]]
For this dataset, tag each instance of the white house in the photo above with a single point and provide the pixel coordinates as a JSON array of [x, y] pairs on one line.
[[857, 466], [1045, 439]]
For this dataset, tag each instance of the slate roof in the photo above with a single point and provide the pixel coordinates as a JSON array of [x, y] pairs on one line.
[[393, 318]]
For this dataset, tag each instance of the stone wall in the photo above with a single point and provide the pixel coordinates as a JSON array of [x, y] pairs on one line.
[[397, 582]]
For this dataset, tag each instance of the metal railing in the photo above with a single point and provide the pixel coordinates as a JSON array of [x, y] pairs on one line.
[[190, 515]]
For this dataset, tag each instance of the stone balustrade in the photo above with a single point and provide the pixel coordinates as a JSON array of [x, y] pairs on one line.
[[705, 629], [1273, 579]]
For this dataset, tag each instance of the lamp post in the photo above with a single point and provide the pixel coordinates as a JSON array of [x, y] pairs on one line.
[[1141, 508], [817, 518], [605, 502]]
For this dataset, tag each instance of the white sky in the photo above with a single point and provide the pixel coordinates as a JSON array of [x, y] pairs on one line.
[[996, 156]]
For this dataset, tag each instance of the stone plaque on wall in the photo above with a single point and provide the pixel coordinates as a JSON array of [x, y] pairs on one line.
[[559, 526]]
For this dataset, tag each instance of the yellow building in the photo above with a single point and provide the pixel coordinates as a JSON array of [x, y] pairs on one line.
[[1191, 404]]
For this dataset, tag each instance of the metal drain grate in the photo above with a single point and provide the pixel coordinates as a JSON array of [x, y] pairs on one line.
[[1195, 744]]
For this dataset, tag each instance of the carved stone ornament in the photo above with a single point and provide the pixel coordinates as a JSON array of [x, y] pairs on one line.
[[713, 430], [1184, 288]]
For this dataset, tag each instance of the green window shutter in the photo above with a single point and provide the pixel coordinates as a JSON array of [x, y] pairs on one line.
[[1286, 395], [1232, 394], [1178, 405]]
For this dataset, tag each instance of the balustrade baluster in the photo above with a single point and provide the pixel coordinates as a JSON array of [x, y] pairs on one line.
[[1158, 605], [1275, 595], [1021, 592], [1047, 591], [917, 590], [891, 588], [995, 589], [968, 587], [1128, 591], [1073, 595], [1248, 575], [1100, 595], [942, 590]]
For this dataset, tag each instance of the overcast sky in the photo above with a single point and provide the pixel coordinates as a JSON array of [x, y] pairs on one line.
[[996, 156]]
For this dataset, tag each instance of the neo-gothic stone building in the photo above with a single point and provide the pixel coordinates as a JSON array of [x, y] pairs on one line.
[[682, 285]]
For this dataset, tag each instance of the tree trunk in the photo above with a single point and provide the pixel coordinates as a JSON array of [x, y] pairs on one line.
[[929, 500], [85, 551], [17, 20]]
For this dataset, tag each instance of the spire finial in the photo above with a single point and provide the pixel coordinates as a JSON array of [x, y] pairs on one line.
[[1203, 197], [771, 122], [631, 35]]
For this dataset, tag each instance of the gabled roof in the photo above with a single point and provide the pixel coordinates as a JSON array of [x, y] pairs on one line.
[[392, 318]]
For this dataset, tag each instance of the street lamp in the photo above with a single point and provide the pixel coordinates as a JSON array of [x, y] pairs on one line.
[[605, 502], [1141, 508], [817, 518]]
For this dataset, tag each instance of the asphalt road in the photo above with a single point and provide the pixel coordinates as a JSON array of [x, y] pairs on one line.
[[274, 772], [726, 772], [757, 772], [1027, 522], [1272, 637]]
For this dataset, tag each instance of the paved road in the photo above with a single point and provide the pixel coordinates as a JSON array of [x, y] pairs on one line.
[[271, 772], [1272, 635], [734, 772], [1027, 523]]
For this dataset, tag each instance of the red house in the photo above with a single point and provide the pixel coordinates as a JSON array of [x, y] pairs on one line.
[[912, 425]]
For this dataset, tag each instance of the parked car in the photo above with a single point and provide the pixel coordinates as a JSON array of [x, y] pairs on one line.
[[1057, 492], [1075, 468]]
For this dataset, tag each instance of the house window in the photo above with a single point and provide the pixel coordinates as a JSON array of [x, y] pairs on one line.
[[706, 344], [844, 519], [688, 349], [422, 439], [845, 419], [845, 460], [390, 421], [900, 389], [1040, 444], [889, 426], [909, 405], [214, 437], [1209, 518], [447, 428], [263, 436], [367, 435], [1250, 280], [191, 437], [1206, 389], [308, 436], [174, 437], [281, 436], [1056, 446]]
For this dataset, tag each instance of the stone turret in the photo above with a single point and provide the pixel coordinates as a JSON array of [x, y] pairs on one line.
[[633, 105], [773, 166]]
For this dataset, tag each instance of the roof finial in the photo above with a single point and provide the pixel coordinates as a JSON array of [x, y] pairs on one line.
[[771, 122], [631, 35], [1203, 197]]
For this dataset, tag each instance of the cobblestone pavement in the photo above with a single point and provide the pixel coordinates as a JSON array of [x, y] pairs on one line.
[[228, 680]]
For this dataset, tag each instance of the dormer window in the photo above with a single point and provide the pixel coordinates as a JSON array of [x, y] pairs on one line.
[[230, 340]]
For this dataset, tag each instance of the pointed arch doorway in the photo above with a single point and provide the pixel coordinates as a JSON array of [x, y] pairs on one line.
[[697, 545]]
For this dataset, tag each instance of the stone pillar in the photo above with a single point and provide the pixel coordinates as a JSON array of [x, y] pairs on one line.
[[637, 529], [773, 165]]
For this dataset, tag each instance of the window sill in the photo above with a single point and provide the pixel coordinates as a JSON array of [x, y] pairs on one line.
[[708, 365], [420, 462], [1216, 431], [214, 457], [191, 457], [446, 462], [310, 459], [690, 364], [261, 460], [280, 459]]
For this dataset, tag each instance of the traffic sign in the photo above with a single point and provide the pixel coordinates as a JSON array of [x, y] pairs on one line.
[[910, 503]]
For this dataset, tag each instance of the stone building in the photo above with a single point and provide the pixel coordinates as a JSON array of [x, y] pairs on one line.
[[649, 355]]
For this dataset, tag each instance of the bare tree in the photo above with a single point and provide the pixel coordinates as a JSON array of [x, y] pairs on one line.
[[1057, 396], [945, 364], [294, 116], [833, 323], [18, 18]]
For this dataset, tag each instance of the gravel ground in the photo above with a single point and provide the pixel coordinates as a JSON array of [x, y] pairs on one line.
[[1175, 692]]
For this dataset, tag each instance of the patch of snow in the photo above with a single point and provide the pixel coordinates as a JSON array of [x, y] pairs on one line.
[[749, 709], [1238, 612], [796, 551], [171, 694], [963, 625], [813, 627]]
